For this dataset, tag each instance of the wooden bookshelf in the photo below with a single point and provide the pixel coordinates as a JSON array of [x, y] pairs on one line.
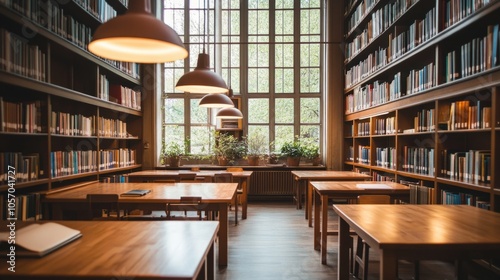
[[421, 86], [67, 116]]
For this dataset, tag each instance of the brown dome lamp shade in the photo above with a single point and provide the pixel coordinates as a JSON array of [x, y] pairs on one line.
[[202, 79], [229, 113], [216, 100], [137, 36]]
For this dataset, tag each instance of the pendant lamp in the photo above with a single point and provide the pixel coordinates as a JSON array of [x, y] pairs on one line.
[[229, 113], [202, 79], [137, 36], [216, 100]]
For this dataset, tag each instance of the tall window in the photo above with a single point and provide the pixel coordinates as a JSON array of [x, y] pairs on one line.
[[268, 52]]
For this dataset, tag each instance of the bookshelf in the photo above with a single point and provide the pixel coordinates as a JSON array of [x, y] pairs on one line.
[[67, 116], [422, 80]]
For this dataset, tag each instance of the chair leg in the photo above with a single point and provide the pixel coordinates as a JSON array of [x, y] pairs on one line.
[[361, 258]]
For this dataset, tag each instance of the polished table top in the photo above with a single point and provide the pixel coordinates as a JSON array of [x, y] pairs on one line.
[[124, 249], [420, 226], [329, 174], [161, 192], [211, 173], [418, 232], [366, 187]]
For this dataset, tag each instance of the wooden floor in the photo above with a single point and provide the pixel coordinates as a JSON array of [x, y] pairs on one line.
[[276, 243]]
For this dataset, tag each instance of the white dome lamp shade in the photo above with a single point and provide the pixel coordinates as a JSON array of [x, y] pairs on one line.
[[229, 113], [216, 100]]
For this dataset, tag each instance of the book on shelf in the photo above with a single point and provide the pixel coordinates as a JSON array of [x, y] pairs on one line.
[[40, 239]]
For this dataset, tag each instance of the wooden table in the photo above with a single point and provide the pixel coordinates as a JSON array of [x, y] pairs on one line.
[[216, 196], [418, 232], [243, 179], [334, 189], [126, 249], [302, 179]]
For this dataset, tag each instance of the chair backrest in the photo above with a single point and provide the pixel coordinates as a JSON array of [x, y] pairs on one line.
[[374, 199], [223, 177], [187, 177], [234, 169], [186, 203], [99, 202], [164, 181]]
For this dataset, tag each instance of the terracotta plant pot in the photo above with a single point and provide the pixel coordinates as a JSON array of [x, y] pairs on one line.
[[253, 160], [292, 161], [223, 161], [173, 161]]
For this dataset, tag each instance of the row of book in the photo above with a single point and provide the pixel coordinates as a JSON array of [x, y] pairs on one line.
[[384, 126], [119, 94], [363, 154], [49, 15], [112, 128], [418, 160], [26, 166], [382, 177], [405, 39], [462, 115], [420, 194], [359, 13], [116, 158], [386, 157], [469, 166], [424, 121], [100, 9], [478, 55], [117, 178], [363, 128], [376, 93], [421, 79], [20, 116], [456, 10], [367, 66], [72, 162], [28, 207], [72, 124], [453, 197], [20, 57]]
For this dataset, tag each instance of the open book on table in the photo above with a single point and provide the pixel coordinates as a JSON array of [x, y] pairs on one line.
[[39, 239]]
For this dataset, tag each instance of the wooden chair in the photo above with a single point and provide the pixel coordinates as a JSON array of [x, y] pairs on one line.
[[239, 192], [101, 206], [361, 257], [187, 177], [187, 203], [227, 177]]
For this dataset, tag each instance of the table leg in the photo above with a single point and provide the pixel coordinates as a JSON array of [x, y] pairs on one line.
[[324, 226], [316, 221], [388, 265], [303, 184], [244, 198], [343, 255], [309, 202], [223, 239], [296, 182], [210, 262]]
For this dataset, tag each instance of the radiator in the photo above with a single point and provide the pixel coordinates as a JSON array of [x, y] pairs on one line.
[[271, 183]]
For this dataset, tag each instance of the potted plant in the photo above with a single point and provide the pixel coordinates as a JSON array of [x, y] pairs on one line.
[[256, 144], [293, 151], [311, 152], [171, 153], [227, 148]]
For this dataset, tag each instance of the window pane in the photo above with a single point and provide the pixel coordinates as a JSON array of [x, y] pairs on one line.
[[258, 110], [198, 114], [309, 80], [174, 133], [309, 133], [284, 110], [284, 133], [259, 132], [201, 139], [309, 110], [174, 110]]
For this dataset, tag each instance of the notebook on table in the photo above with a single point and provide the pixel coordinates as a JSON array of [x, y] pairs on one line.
[[136, 192]]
